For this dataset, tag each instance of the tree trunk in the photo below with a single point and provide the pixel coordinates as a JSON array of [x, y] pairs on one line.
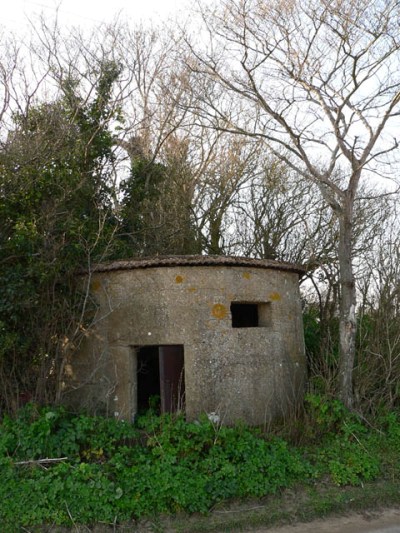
[[347, 324]]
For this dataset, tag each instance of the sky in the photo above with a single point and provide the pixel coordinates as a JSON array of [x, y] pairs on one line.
[[16, 14]]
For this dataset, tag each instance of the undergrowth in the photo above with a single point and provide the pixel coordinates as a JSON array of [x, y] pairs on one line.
[[112, 471]]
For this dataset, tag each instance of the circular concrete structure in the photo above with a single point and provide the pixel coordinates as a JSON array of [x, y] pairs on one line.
[[215, 335]]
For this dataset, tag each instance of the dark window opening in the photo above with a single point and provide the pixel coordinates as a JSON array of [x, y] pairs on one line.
[[250, 315], [160, 378], [244, 315]]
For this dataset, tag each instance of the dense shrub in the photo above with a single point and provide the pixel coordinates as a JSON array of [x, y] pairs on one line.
[[113, 471], [56, 217]]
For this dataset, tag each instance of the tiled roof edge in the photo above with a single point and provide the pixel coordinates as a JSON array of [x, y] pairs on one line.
[[196, 260]]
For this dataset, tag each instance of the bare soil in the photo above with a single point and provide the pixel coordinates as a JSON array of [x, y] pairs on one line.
[[386, 520], [320, 509], [323, 508]]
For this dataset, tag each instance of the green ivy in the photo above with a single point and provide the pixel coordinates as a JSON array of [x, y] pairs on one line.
[[55, 216], [115, 471]]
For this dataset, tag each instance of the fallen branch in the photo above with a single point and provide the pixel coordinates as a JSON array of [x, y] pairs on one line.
[[41, 461]]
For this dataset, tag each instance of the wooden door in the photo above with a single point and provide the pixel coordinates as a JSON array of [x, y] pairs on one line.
[[172, 379]]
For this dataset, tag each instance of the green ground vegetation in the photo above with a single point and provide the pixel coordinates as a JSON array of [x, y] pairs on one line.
[[113, 472]]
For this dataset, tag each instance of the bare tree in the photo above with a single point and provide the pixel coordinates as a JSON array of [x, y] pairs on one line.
[[157, 86], [7, 67], [228, 169], [281, 216], [378, 357], [319, 82]]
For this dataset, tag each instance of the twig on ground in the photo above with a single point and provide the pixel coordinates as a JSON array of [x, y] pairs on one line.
[[41, 461]]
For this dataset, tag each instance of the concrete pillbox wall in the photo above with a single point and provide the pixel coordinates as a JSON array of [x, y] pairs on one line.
[[215, 335]]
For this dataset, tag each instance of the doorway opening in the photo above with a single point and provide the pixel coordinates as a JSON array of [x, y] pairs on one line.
[[160, 378]]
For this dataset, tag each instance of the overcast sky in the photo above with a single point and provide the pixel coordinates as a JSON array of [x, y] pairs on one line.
[[15, 13]]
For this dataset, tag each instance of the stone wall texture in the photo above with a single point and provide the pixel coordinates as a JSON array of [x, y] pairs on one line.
[[251, 374]]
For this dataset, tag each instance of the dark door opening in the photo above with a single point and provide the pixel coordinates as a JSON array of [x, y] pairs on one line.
[[160, 378], [148, 378]]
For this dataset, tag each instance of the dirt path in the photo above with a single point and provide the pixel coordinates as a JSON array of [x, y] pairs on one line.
[[385, 521]]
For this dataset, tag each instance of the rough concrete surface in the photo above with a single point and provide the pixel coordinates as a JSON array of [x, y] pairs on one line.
[[239, 326]]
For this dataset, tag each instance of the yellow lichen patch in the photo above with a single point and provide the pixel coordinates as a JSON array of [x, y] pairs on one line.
[[219, 311], [275, 296], [179, 279], [95, 285], [192, 289], [246, 275]]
